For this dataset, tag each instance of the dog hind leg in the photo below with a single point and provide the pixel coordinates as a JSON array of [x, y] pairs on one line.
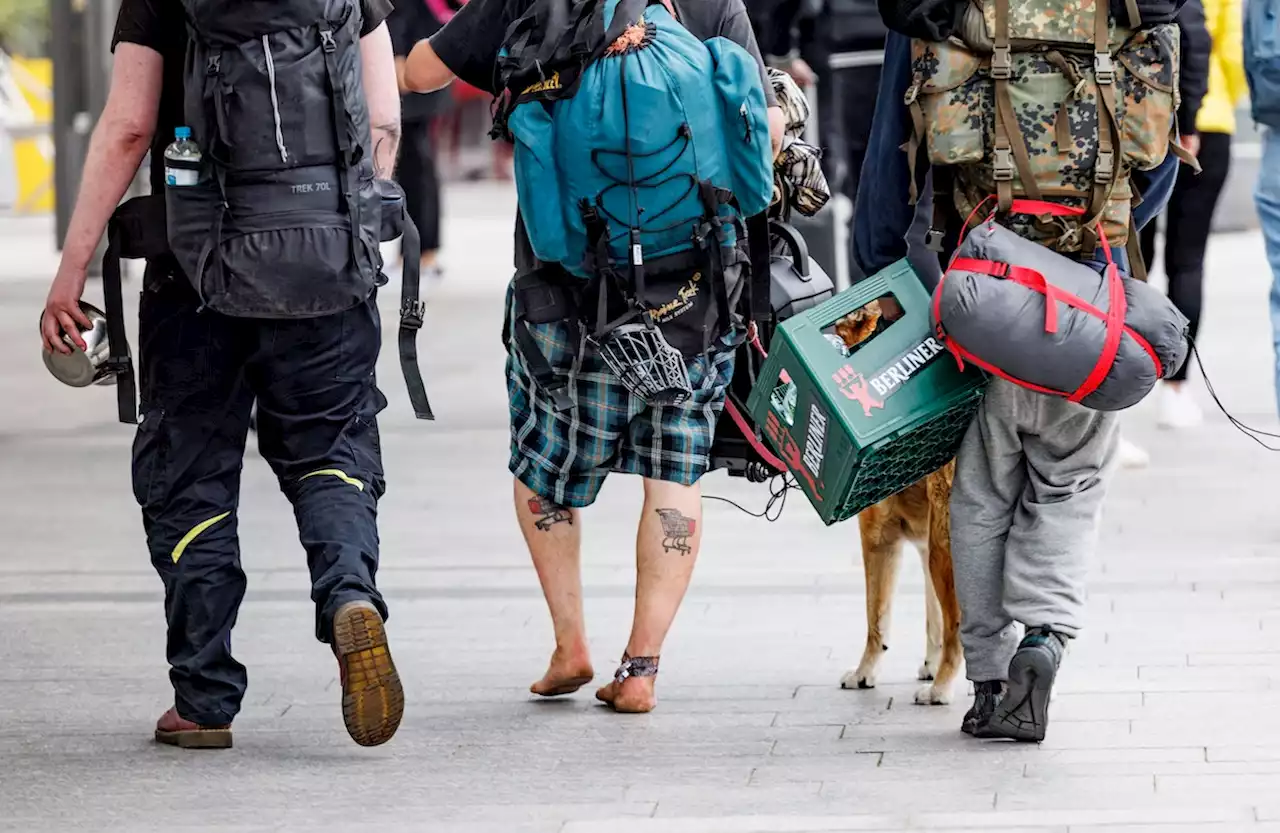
[[932, 618], [942, 576]]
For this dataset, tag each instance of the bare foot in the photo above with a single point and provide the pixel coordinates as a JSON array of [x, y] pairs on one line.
[[568, 672], [633, 695]]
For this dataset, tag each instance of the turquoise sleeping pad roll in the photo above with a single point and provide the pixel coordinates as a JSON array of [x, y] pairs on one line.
[[645, 127]]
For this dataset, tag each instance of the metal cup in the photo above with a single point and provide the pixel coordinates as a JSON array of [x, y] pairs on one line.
[[82, 368]]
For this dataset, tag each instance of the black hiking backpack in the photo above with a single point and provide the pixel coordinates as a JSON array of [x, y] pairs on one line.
[[286, 216]]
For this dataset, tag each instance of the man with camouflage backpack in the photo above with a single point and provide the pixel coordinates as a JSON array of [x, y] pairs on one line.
[[1056, 117]]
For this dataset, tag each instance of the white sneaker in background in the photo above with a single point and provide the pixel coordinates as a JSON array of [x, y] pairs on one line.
[[1132, 456], [1178, 409]]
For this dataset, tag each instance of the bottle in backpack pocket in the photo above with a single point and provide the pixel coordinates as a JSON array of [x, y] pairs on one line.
[[181, 160]]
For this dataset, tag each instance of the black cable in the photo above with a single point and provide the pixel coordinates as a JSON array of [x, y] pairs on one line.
[[1254, 434], [777, 499]]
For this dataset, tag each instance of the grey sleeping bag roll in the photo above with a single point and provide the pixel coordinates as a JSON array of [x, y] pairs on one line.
[[1001, 322]]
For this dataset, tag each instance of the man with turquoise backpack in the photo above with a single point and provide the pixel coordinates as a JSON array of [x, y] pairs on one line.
[[644, 138]]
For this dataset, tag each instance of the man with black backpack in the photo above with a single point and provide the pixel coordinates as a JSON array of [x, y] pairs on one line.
[[644, 135], [262, 287], [992, 96]]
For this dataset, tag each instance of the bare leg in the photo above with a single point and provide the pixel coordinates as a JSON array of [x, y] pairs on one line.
[[666, 548], [554, 536]]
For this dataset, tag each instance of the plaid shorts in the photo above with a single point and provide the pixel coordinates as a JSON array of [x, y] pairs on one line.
[[565, 456]]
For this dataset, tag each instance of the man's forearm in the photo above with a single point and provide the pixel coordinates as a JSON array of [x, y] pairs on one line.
[[382, 94], [424, 72], [115, 152], [386, 144]]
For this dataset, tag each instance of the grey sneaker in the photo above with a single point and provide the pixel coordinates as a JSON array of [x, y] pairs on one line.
[[986, 697], [1024, 713]]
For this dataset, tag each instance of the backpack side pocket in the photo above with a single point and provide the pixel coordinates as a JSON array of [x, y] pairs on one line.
[[952, 103], [746, 125], [1148, 82], [538, 183]]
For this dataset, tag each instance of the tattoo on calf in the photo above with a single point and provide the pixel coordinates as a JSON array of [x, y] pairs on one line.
[[547, 514], [677, 529]]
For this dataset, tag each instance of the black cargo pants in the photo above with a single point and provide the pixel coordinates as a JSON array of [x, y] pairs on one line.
[[200, 373]]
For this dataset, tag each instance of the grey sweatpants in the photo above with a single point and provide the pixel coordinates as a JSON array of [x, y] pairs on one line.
[[1025, 507]]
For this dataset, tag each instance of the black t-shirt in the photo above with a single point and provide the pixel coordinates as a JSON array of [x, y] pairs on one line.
[[470, 43], [411, 22], [161, 25]]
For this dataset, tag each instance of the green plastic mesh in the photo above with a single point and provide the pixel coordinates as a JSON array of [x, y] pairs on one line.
[[907, 458]]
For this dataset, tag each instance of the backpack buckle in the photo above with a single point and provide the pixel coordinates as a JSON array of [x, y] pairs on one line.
[[933, 240], [327, 43], [1104, 69], [1105, 169], [214, 65], [1003, 168], [1002, 62], [412, 314]]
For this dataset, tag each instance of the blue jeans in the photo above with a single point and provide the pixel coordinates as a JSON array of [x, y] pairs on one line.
[[1267, 197]]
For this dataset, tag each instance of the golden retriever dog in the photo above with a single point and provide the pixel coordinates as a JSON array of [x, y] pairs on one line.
[[921, 515]]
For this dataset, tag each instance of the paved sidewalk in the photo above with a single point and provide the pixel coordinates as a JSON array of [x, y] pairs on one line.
[[1163, 722]]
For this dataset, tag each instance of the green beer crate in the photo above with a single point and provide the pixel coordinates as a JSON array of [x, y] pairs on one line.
[[855, 427]]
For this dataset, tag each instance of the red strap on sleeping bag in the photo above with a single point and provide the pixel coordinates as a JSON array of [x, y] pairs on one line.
[[1114, 317], [1029, 278]]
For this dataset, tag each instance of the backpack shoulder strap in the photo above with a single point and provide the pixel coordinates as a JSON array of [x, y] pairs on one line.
[[1010, 144]]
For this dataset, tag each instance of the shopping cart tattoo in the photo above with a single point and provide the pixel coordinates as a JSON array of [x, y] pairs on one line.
[[676, 531]]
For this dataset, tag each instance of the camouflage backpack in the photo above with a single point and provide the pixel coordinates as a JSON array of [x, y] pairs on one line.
[[1048, 100]]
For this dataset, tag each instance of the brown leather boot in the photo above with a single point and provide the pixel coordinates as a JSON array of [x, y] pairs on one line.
[[372, 696]]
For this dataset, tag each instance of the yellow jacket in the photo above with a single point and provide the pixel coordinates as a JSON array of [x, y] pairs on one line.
[[1227, 85]]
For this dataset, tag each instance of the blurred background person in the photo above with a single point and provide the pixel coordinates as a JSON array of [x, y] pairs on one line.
[[412, 21], [1212, 85]]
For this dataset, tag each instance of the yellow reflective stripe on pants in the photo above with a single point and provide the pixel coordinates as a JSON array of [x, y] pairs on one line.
[[195, 533], [338, 473]]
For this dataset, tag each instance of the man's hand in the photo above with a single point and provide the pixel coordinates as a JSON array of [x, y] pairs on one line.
[[777, 129], [62, 311], [1190, 143]]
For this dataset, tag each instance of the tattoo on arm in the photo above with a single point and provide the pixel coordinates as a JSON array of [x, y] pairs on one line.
[[386, 144], [547, 514], [677, 529]]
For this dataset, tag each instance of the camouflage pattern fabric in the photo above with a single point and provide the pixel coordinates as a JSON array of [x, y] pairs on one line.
[[1057, 112]]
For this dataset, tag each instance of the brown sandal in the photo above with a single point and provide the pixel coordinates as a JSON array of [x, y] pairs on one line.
[[173, 730]]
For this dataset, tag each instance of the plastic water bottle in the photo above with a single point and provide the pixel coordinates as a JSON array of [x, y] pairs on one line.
[[181, 160]]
